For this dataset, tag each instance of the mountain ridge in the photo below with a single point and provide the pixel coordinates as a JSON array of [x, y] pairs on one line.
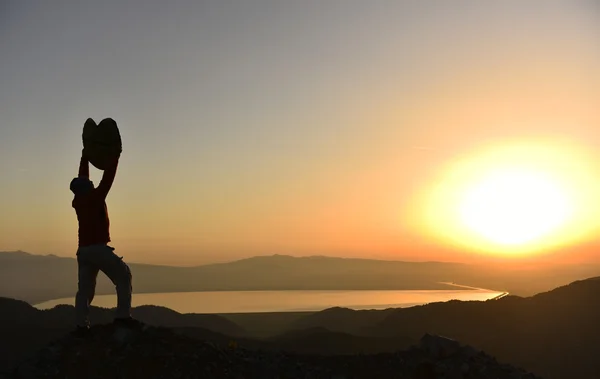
[[256, 273], [276, 273]]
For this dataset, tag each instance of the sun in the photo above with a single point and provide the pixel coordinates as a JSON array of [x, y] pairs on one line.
[[517, 199], [513, 206]]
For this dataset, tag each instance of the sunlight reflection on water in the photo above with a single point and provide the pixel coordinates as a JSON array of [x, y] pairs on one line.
[[285, 301]]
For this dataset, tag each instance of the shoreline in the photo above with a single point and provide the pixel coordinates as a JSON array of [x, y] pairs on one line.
[[503, 294], [385, 303], [35, 304]]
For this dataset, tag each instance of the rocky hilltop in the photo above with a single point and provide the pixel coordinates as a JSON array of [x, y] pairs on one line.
[[158, 352]]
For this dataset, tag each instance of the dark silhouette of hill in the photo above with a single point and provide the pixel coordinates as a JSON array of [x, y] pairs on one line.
[[24, 328], [342, 320], [319, 340], [266, 324], [56, 276], [16, 313], [166, 317], [161, 353], [554, 334]]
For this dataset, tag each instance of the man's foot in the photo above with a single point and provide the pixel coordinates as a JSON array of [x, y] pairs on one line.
[[81, 332], [128, 322]]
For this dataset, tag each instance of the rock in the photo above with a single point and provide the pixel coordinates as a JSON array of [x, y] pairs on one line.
[[438, 346], [123, 335], [465, 368], [160, 353], [470, 352], [425, 370]]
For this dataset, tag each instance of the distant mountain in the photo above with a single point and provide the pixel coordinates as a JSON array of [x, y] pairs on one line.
[[56, 277]]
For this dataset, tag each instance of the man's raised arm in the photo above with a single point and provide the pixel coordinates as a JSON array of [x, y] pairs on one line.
[[108, 177], [84, 167]]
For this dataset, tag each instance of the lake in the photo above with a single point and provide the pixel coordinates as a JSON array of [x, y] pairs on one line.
[[285, 301]]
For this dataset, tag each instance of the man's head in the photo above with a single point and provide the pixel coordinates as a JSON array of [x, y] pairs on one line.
[[81, 186]]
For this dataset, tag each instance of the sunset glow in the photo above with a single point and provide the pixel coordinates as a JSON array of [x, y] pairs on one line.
[[514, 199], [513, 207], [386, 129]]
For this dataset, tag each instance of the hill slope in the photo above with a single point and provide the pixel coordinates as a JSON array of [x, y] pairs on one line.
[[554, 334], [24, 328], [160, 353]]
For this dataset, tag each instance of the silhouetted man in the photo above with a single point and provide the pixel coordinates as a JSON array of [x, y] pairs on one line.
[[94, 254]]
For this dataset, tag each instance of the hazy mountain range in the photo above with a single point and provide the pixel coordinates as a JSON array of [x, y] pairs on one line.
[[37, 278], [553, 334]]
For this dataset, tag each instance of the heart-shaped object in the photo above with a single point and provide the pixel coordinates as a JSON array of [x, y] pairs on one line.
[[101, 142]]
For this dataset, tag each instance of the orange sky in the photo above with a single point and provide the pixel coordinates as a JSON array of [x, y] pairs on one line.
[[327, 130]]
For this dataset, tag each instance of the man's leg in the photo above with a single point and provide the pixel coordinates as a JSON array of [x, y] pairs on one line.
[[87, 274], [118, 272]]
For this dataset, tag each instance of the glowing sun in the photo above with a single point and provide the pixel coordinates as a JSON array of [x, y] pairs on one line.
[[518, 199], [512, 207]]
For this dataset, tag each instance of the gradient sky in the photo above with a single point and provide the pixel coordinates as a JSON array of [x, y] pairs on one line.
[[260, 127]]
